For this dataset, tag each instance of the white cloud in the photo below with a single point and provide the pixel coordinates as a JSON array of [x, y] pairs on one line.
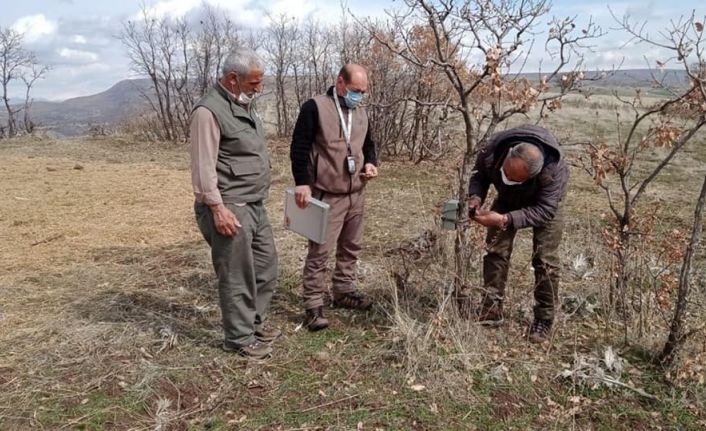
[[170, 8], [77, 38], [78, 56], [34, 27], [294, 8], [179, 8], [240, 11]]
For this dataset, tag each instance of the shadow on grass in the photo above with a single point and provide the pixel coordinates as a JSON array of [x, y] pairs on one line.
[[170, 290], [173, 290]]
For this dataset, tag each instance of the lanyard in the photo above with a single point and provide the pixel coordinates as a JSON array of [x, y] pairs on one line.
[[346, 127]]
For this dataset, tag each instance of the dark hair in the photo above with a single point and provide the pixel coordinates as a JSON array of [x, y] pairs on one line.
[[345, 73]]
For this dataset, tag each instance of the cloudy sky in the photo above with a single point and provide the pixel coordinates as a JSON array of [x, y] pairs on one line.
[[78, 37]]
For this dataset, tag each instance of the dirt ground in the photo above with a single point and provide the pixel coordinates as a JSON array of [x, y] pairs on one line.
[[109, 317]]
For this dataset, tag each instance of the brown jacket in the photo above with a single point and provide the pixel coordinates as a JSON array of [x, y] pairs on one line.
[[534, 202], [328, 165]]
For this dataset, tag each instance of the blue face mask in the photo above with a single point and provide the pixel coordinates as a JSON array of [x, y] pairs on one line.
[[353, 98]]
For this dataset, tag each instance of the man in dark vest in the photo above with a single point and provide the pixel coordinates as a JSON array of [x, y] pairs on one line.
[[230, 172], [526, 167], [333, 156]]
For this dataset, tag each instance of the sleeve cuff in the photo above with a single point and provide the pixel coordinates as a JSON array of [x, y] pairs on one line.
[[301, 181], [210, 198], [513, 218]]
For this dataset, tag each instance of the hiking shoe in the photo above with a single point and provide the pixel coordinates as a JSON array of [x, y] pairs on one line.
[[315, 320], [267, 334], [255, 350], [491, 314], [540, 330], [353, 300]]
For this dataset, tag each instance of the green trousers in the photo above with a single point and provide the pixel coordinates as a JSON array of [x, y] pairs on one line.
[[545, 261], [246, 267]]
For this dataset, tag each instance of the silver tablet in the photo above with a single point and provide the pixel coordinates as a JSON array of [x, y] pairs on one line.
[[310, 222]]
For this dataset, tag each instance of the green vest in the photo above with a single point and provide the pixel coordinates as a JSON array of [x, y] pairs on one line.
[[243, 165]]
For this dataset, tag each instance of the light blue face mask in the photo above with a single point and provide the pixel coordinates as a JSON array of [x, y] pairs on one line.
[[353, 98]]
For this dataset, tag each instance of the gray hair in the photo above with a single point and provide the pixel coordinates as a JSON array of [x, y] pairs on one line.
[[242, 61], [530, 154]]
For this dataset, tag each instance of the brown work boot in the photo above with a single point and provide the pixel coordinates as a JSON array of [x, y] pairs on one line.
[[267, 334], [352, 300], [315, 320], [491, 314], [255, 350], [540, 330]]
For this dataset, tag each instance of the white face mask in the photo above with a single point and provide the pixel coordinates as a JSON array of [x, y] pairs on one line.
[[507, 181], [245, 99]]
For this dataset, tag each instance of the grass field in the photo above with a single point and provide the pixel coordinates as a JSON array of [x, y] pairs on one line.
[[109, 316]]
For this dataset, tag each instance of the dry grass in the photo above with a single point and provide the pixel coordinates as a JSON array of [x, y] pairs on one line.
[[109, 318]]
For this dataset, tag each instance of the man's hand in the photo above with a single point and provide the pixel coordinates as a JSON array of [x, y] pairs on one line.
[[302, 194], [491, 219], [224, 219], [474, 204], [369, 172]]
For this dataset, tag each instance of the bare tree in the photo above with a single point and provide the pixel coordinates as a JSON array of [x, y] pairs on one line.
[[669, 123], [677, 329], [13, 60], [142, 41], [281, 36], [216, 38], [35, 72], [160, 50], [319, 57]]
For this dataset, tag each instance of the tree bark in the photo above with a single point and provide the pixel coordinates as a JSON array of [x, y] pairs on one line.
[[677, 336]]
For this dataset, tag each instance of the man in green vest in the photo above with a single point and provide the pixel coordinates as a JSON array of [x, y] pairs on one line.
[[230, 172], [333, 157]]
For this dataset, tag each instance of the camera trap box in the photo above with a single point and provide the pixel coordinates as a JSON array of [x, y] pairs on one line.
[[449, 214]]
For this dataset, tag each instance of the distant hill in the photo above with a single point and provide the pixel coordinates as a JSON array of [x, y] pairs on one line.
[[639, 78], [74, 117], [628, 78], [643, 78]]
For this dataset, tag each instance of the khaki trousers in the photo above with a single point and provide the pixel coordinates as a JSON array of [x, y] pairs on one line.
[[345, 234], [246, 267]]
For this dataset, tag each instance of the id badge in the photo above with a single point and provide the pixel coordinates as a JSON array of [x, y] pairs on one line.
[[350, 164]]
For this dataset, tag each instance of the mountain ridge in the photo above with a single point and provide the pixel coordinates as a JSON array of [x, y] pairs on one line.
[[125, 99]]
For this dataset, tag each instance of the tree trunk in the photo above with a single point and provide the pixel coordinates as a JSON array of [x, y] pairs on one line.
[[460, 255], [11, 130], [676, 337]]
